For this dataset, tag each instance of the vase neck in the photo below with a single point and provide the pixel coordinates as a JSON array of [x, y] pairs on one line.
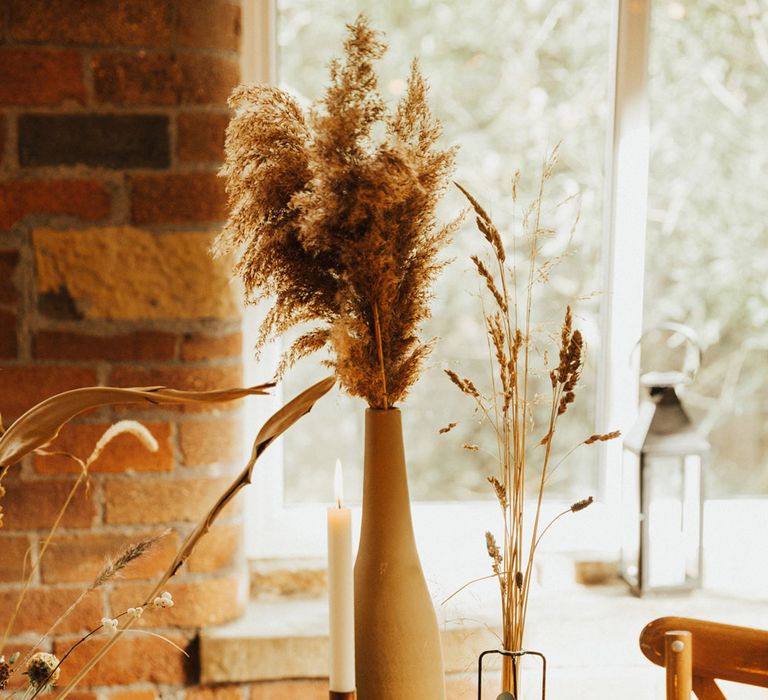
[[386, 498]]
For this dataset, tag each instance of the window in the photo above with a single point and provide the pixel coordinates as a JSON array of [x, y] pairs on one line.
[[508, 81]]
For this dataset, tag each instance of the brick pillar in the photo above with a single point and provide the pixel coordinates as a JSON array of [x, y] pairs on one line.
[[112, 118]]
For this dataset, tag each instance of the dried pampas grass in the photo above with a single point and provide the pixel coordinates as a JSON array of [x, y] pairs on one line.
[[332, 213]]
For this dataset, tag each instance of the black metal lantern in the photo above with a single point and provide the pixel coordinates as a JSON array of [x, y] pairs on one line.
[[662, 488]]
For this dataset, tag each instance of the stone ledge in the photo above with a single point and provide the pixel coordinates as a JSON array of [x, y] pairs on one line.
[[583, 628]]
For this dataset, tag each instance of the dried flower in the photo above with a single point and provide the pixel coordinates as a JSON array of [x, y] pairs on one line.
[[5, 672], [135, 612], [164, 600], [109, 625], [602, 437], [582, 504], [129, 554], [447, 428], [43, 670], [332, 212]]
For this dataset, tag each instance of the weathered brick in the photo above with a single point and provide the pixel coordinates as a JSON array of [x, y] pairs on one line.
[[34, 505], [177, 198], [141, 345], [23, 387], [134, 659], [12, 561], [8, 344], [215, 692], [80, 558], [218, 548], [200, 136], [207, 80], [195, 604], [124, 273], [103, 140], [83, 199], [155, 501], [40, 77], [213, 24], [42, 606], [196, 347], [74, 695], [9, 260], [214, 440], [100, 22], [288, 690], [133, 695], [125, 453]]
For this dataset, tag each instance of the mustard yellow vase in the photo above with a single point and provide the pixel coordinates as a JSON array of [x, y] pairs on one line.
[[397, 639]]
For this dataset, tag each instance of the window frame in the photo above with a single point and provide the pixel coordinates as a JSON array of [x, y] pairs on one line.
[[301, 533]]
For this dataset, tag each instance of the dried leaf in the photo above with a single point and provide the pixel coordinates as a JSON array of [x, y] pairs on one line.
[[41, 423]]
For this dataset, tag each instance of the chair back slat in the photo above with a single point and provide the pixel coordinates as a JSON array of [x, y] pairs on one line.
[[727, 652]]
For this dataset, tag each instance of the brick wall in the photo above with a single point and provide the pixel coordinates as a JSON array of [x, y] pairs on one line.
[[112, 115]]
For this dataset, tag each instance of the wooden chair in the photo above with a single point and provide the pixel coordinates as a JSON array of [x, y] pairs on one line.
[[695, 652]]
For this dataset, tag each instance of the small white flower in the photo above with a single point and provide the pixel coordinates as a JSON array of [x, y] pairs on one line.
[[164, 600], [109, 624], [135, 612]]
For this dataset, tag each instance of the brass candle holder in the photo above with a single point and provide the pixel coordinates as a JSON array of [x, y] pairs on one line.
[[348, 695]]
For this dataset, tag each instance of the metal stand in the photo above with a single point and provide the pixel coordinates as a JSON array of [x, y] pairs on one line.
[[336, 695], [514, 655]]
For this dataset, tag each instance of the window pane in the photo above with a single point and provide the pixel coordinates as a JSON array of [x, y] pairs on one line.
[[506, 91], [707, 211]]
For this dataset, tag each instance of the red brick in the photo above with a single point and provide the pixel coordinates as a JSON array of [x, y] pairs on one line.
[[288, 690], [217, 549], [42, 607], [196, 604], [216, 692], [212, 24], [83, 199], [2, 136], [142, 345], [12, 566], [40, 77], [207, 80], [208, 347], [80, 558], [136, 79], [177, 198], [21, 388], [100, 22], [163, 79], [74, 695], [9, 260], [156, 501], [34, 505], [201, 136], [8, 344], [133, 659], [215, 440], [125, 453]]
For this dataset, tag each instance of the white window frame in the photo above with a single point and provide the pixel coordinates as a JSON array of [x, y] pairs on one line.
[[277, 530]]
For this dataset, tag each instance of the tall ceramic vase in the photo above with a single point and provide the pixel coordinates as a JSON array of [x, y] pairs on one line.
[[397, 639]]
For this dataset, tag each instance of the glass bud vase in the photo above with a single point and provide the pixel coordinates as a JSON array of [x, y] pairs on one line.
[[397, 639]]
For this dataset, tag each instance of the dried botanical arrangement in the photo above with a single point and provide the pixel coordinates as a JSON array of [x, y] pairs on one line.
[[508, 405], [332, 213], [33, 431]]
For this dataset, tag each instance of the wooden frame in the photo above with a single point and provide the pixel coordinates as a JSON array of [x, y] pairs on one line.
[[705, 651]]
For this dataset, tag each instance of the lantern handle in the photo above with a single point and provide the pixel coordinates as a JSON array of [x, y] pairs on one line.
[[680, 329]]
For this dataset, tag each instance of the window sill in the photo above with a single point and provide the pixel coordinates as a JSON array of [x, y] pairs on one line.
[[589, 635]]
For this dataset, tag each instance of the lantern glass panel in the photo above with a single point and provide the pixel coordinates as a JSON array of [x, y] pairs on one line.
[[692, 516], [664, 556], [630, 508]]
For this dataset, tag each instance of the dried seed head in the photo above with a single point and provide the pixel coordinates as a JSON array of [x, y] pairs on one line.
[[519, 579], [500, 489], [602, 437], [447, 428], [5, 673], [582, 504], [43, 670]]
